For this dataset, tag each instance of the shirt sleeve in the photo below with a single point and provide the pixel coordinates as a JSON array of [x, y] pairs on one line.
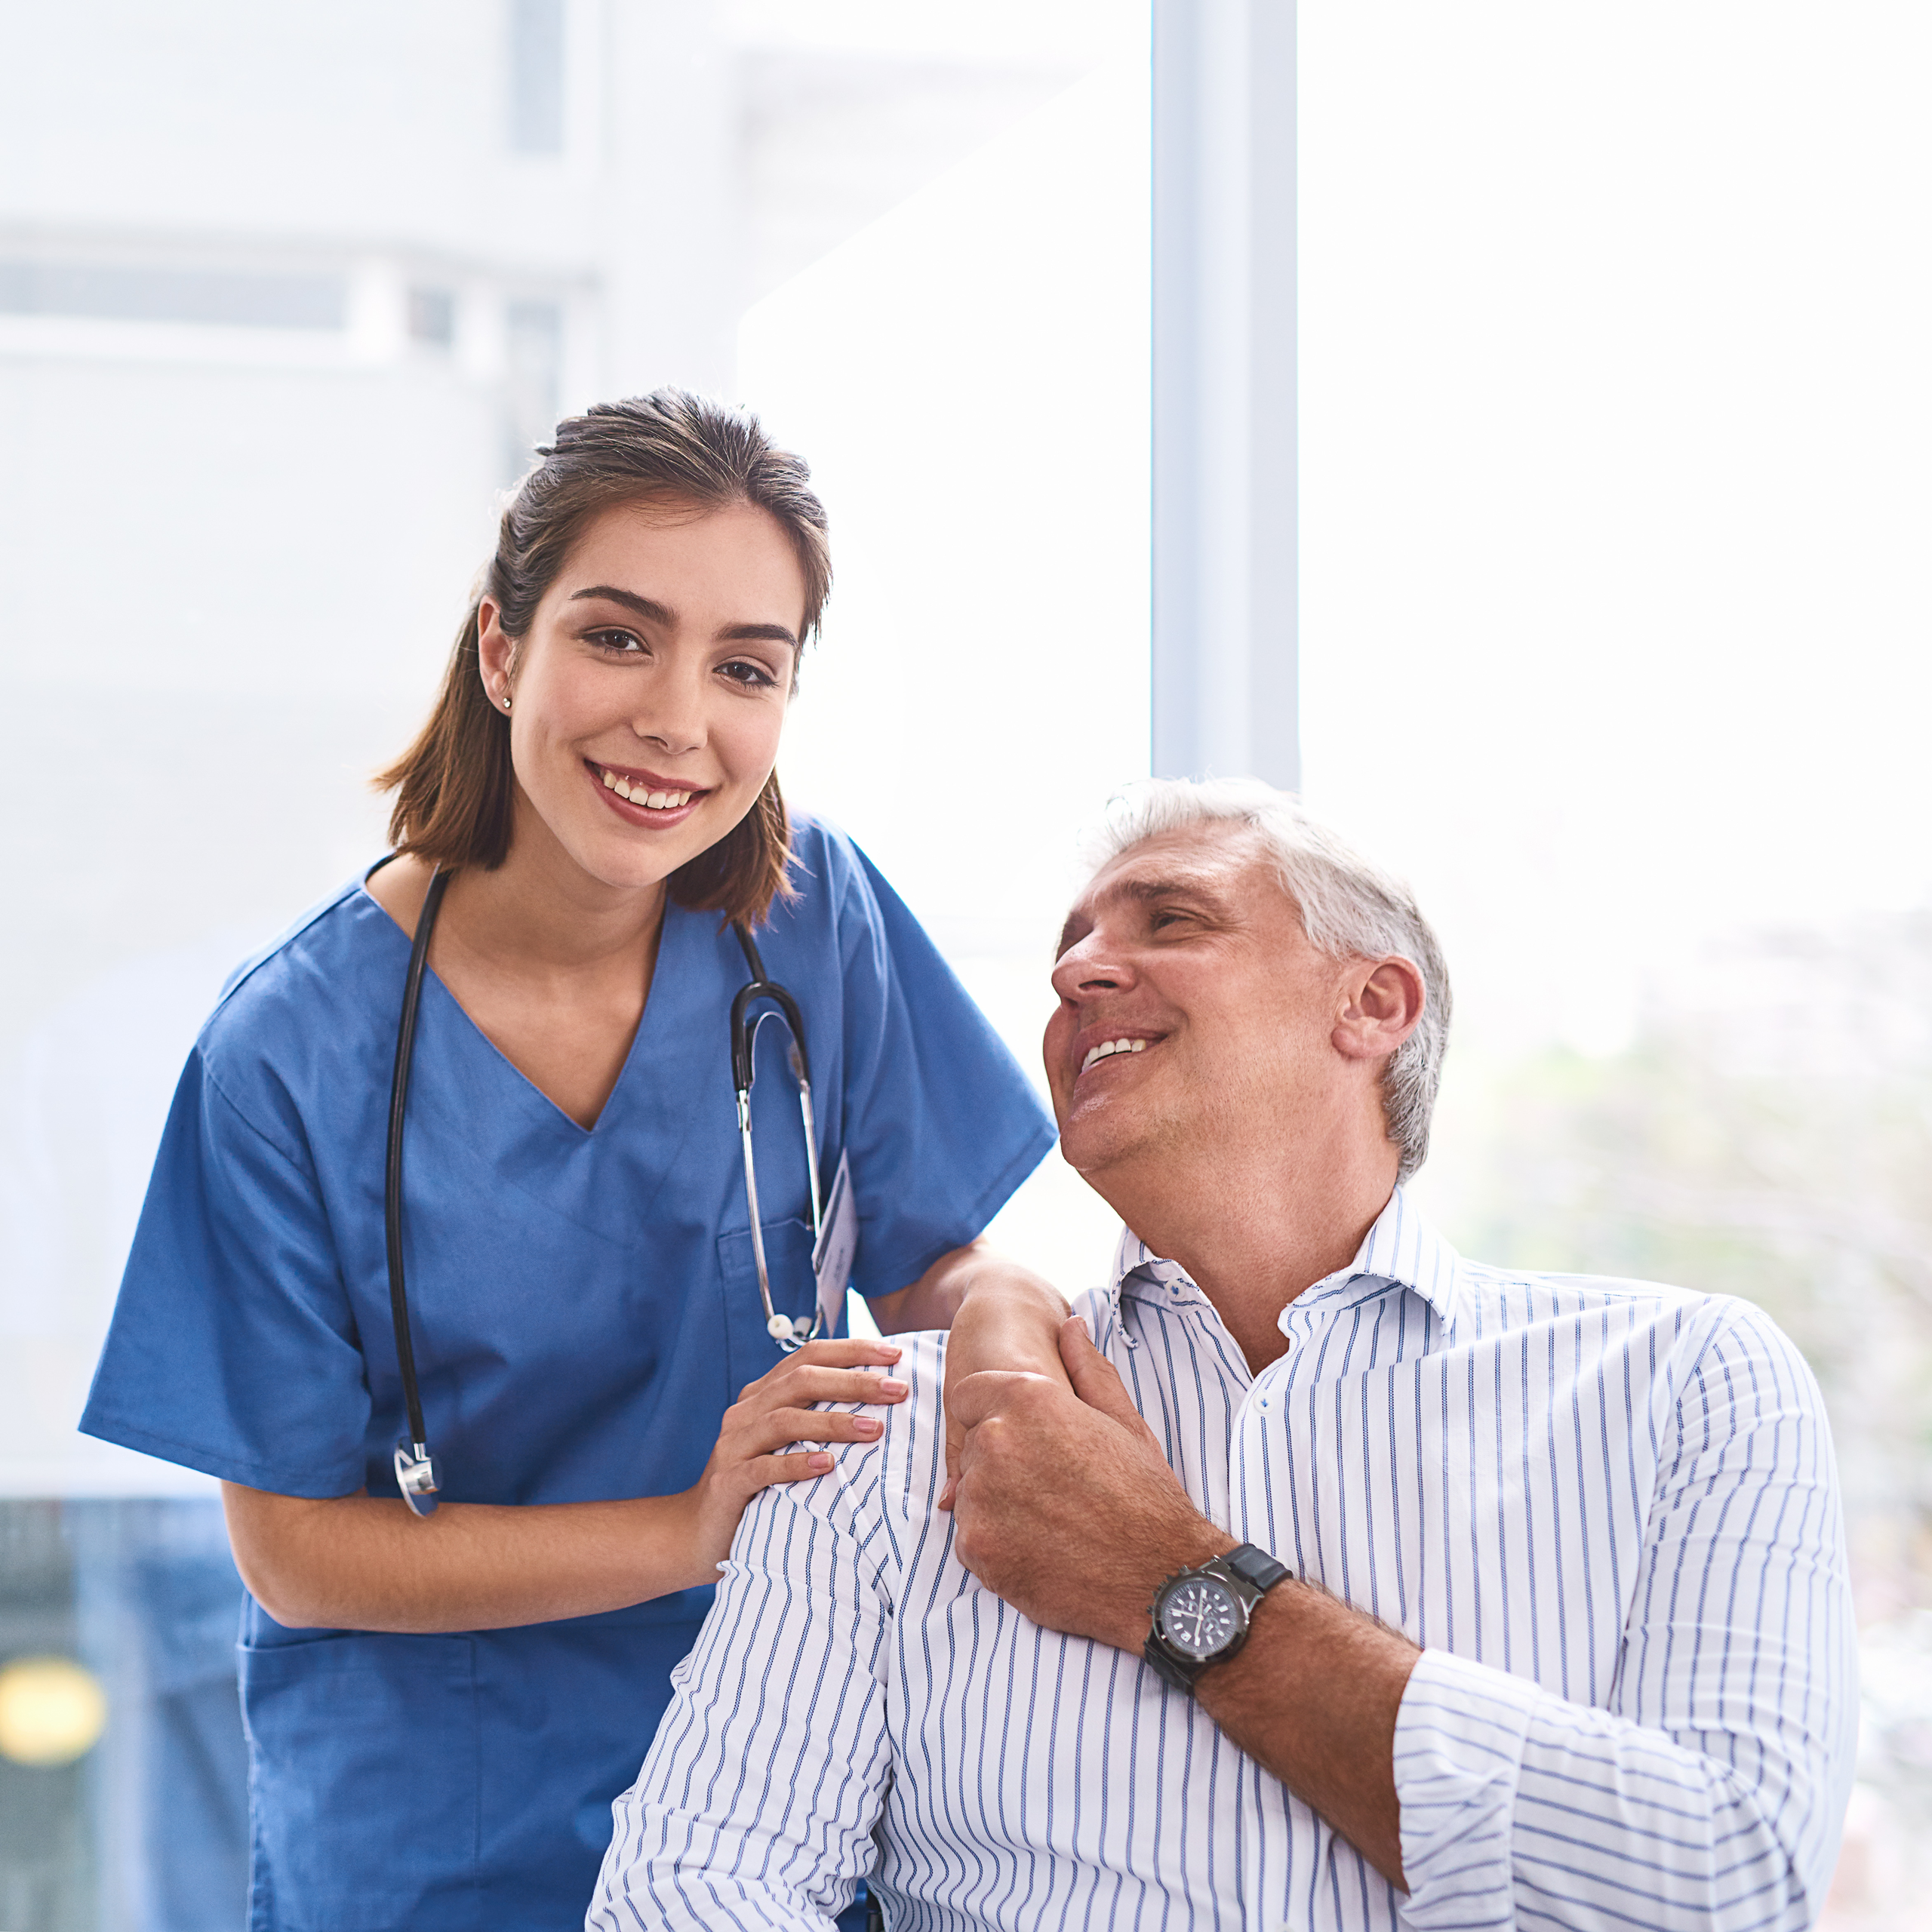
[[1711, 1791], [232, 1350], [940, 1123], [756, 1804]]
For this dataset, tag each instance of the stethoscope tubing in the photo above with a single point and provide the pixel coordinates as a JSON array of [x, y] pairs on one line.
[[417, 1474], [782, 1328]]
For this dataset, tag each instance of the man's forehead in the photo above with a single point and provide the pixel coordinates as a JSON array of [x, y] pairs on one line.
[[1209, 859]]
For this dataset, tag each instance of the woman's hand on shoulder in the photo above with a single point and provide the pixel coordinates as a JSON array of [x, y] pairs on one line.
[[754, 1442]]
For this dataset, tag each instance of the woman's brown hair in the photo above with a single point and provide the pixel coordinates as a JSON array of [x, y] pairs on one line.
[[454, 785]]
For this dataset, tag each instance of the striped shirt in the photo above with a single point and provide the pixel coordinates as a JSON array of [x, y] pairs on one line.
[[1606, 1510]]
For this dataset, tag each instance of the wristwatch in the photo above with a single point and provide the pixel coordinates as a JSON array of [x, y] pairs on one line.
[[1201, 1616]]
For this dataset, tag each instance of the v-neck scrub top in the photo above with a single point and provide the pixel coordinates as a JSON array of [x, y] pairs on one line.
[[584, 1306]]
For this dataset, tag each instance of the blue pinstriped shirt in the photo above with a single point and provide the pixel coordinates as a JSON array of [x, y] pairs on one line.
[[1606, 1509]]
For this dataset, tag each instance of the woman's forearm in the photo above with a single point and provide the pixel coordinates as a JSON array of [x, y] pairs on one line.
[[365, 1563]]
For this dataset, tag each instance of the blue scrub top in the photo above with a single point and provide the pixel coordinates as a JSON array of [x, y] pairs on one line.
[[584, 1306]]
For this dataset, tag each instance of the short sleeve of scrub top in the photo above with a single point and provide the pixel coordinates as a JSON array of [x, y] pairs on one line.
[[584, 1306]]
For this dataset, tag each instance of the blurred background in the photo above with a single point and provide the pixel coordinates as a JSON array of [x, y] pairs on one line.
[[1506, 422]]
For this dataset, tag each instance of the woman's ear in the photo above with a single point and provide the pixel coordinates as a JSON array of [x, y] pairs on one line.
[[1385, 1001], [495, 654]]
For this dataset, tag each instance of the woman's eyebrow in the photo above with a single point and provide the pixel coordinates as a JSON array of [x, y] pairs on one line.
[[656, 613], [645, 607], [757, 634]]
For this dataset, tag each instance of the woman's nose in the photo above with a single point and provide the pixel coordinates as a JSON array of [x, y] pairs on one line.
[[672, 715]]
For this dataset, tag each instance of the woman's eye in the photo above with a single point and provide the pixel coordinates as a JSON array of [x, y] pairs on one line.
[[622, 641], [753, 677]]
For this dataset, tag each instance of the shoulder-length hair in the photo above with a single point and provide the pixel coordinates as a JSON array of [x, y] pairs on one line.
[[454, 785]]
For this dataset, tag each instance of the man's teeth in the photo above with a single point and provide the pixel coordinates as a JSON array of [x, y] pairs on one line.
[[655, 801], [1107, 1047]]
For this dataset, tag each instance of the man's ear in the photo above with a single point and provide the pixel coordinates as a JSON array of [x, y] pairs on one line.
[[1383, 1005]]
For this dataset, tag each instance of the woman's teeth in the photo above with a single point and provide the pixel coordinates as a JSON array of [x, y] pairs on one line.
[[1107, 1047], [655, 801]]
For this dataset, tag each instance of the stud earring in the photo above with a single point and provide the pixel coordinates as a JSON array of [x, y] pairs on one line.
[[506, 700]]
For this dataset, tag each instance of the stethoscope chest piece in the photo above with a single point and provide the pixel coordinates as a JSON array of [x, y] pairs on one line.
[[418, 1475]]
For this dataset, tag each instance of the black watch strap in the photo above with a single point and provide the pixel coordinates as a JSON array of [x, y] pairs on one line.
[[1256, 1567]]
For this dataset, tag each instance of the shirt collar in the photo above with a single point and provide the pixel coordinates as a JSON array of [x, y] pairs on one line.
[[1401, 1246]]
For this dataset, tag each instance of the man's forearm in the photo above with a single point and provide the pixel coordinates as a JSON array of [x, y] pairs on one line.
[[1313, 1695]]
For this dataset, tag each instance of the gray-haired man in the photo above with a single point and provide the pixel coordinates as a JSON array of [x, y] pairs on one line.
[[1476, 1598]]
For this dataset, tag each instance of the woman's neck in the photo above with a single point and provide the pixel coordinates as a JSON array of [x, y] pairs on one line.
[[553, 968], [539, 914]]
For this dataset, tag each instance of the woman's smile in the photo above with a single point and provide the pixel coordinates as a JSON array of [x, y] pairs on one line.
[[643, 798]]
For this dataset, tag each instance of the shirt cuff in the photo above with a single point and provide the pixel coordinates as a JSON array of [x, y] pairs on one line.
[[1459, 1745]]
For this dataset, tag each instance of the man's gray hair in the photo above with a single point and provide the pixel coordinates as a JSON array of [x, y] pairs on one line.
[[1349, 909]]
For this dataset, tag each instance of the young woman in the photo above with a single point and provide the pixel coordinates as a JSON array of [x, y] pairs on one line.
[[441, 1708]]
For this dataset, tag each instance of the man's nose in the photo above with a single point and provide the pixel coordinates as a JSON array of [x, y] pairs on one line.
[[1090, 965]]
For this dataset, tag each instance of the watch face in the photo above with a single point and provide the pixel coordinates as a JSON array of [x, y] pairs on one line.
[[1200, 1617]]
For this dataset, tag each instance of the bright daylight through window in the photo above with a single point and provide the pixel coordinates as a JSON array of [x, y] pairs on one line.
[[1604, 614]]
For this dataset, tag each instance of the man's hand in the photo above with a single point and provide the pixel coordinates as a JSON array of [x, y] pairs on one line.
[[1066, 1508], [1064, 1505], [1007, 1319]]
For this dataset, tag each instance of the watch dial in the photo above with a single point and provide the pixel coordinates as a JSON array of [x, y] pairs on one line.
[[1200, 1617]]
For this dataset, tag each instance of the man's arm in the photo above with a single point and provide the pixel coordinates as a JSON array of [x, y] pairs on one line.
[[1067, 1508], [756, 1804], [1708, 1795]]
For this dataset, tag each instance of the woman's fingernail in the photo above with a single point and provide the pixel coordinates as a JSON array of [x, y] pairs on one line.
[[819, 1460], [891, 1385], [891, 1352], [866, 1425]]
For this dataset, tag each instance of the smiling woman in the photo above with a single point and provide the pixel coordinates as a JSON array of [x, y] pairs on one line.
[[442, 1709]]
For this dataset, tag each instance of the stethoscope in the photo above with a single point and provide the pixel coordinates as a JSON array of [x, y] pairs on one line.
[[417, 1472]]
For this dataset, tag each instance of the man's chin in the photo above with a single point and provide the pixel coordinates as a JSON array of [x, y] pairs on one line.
[[1108, 1153]]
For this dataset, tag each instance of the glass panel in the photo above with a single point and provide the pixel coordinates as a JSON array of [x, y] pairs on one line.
[[111, 292], [536, 76], [432, 317], [124, 1771]]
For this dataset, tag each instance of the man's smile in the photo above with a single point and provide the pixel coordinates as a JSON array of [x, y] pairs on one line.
[[1094, 1045]]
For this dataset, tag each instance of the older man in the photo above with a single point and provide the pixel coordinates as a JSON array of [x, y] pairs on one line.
[[1348, 1584]]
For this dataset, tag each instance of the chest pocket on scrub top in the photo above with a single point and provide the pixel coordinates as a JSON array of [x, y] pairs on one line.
[[750, 1351]]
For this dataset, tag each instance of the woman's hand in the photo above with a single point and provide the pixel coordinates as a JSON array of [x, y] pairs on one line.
[[776, 1411], [364, 1563]]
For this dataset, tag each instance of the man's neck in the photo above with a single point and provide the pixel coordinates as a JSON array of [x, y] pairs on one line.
[[1253, 1240]]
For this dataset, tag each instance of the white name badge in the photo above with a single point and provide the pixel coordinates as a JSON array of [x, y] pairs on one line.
[[837, 1245]]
